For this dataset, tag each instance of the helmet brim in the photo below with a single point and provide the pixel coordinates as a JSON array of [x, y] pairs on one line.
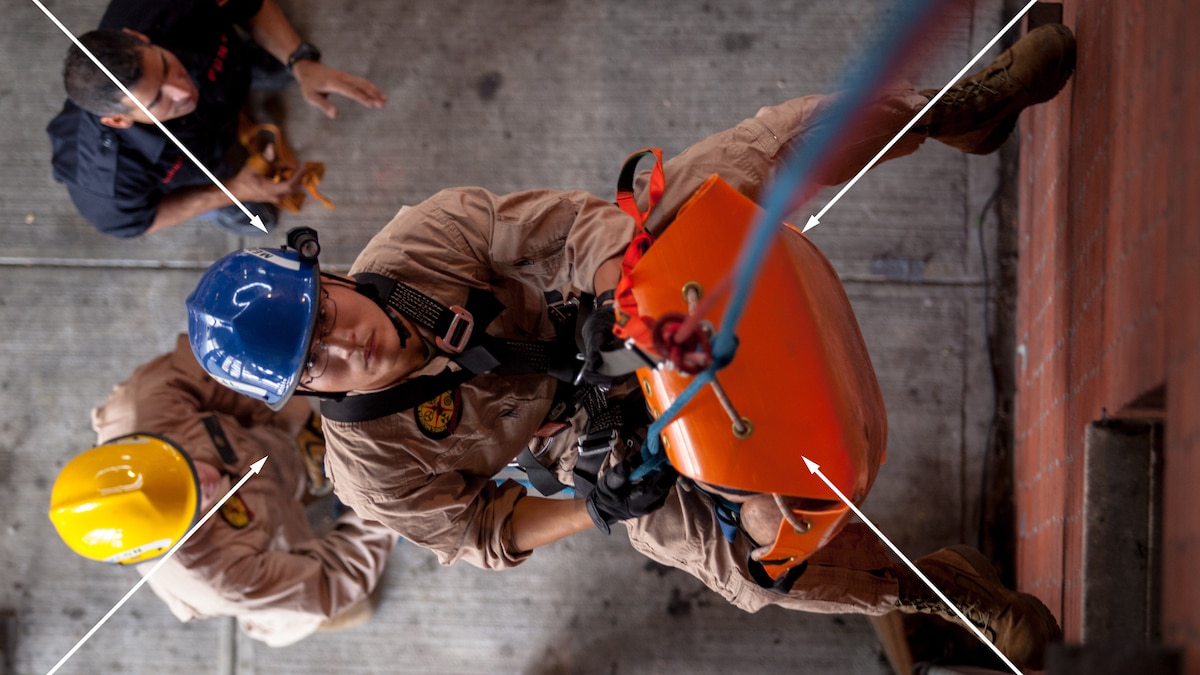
[[310, 334]]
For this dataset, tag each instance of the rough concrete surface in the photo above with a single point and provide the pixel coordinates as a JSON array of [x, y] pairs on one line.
[[507, 95]]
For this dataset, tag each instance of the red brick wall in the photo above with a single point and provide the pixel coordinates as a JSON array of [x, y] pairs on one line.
[[1178, 22], [1109, 290]]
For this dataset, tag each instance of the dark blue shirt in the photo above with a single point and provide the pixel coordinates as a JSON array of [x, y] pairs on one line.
[[117, 177]]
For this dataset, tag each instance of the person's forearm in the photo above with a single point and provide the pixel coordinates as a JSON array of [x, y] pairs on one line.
[[186, 203], [273, 32], [537, 521], [607, 275]]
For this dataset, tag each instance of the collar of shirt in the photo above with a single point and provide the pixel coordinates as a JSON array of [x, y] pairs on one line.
[[146, 140]]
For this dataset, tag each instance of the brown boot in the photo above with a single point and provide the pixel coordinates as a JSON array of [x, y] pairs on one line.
[[1017, 623], [977, 114]]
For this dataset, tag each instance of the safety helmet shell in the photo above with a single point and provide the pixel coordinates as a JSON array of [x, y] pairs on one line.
[[127, 501], [251, 320]]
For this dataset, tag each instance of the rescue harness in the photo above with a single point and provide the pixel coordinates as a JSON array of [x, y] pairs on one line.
[[461, 335]]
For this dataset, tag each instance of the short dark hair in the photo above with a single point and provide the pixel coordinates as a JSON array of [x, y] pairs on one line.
[[87, 86]]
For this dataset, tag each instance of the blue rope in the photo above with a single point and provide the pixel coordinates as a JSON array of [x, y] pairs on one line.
[[859, 87]]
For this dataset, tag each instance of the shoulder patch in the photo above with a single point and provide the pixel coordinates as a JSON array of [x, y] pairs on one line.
[[438, 417], [235, 512]]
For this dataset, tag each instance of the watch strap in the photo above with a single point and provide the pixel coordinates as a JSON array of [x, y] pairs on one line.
[[305, 52]]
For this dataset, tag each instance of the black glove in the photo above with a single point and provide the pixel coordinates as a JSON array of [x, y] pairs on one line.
[[597, 338], [617, 498]]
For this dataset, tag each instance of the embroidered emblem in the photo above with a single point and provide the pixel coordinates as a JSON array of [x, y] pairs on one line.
[[235, 512], [437, 418]]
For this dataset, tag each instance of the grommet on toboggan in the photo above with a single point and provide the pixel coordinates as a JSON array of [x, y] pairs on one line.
[[800, 384]]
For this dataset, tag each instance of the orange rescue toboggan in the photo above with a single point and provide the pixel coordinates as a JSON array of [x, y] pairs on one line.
[[801, 382]]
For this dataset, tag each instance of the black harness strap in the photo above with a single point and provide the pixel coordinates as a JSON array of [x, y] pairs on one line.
[[478, 351], [609, 423], [539, 476], [404, 396], [426, 311], [220, 441], [782, 585], [482, 307]]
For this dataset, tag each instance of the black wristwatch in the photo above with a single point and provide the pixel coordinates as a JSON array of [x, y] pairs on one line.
[[305, 52]]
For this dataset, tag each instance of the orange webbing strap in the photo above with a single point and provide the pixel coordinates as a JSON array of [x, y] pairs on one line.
[[630, 323], [271, 157]]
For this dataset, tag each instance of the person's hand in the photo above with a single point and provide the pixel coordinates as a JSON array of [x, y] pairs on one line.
[[250, 186], [317, 81], [617, 498], [598, 338]]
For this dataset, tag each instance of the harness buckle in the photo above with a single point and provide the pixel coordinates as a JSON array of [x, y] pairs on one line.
[[563, 312], [458, 333], [598, 443]]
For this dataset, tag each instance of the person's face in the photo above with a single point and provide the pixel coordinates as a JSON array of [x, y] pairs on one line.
[[166, 89], [355, 346]]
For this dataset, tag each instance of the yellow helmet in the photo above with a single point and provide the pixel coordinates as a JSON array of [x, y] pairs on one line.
[[127, 501]]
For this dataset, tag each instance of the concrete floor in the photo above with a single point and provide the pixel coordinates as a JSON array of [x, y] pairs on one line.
[[552, 93]]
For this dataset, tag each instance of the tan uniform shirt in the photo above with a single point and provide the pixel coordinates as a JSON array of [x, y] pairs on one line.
[[428, 472], [258, 558]]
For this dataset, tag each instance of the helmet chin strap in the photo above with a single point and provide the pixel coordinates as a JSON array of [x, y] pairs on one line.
[[401, 330]]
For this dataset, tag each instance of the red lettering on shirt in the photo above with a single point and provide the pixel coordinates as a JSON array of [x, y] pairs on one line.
[[218, 63], [173, 170]]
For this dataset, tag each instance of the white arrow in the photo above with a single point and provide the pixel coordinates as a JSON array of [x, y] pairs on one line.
[[814, 220], [816, 469], [254, 469], [254, 219]]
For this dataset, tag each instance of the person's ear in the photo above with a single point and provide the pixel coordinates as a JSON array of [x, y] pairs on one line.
[[137, 35], [117, 121]]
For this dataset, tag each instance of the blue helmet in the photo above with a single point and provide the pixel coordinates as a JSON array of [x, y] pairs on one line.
[[251, 321]]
